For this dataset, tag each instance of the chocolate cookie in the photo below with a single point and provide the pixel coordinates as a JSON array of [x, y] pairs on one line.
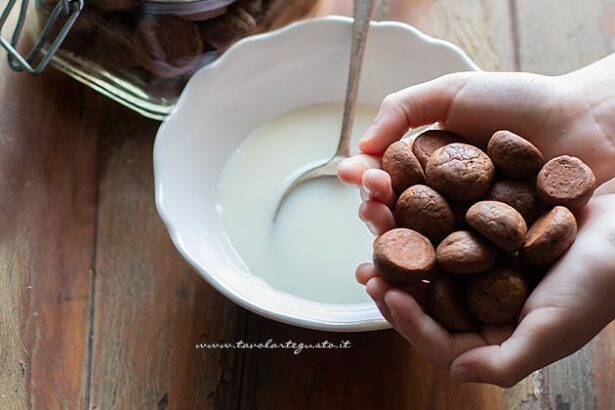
[[498, 222], [513, 155], [518, 194], [550, 236], [279, 13], [168, 46], [224, 31], [403, 256], [403, 167], [203, 15], [497, 297], [465, 252], [461, 172], [254, 7], [424, 210], [425, 144], [566, 181], [446, 304]]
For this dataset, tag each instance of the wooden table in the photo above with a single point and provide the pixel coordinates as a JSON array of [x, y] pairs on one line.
[[99, 311]]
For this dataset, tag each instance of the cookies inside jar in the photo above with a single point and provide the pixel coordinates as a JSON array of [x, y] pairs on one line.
[[151, 48]]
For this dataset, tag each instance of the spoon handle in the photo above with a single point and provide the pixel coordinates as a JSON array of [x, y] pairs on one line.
[[362, 15]]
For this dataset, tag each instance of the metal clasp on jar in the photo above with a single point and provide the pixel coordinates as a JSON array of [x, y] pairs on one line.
[[44, 49]]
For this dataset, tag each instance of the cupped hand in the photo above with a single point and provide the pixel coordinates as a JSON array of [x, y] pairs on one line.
[[554, 113], [558, 114], [572, 303]]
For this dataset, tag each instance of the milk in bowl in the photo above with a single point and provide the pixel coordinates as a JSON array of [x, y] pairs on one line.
[[316, 242]]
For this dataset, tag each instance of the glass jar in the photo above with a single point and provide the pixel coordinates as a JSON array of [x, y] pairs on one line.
[[142, 53]]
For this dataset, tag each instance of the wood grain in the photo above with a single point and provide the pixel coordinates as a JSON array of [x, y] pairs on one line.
[[380, 370], [151, 308], [553, 39], [99, 311], [47, 211], [481, 28]]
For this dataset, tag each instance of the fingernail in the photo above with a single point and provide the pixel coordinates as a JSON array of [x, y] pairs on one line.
[[368, 288], [344, 164], [372, 228], [366, 193], [463, 374]]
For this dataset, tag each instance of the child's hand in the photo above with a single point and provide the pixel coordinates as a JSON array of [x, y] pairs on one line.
[[572, 114], [568, 308]]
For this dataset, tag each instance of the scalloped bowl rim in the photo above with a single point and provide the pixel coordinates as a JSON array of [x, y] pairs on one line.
[[236, 297]]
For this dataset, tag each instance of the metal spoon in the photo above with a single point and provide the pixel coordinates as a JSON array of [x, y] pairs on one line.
[[362, 15]]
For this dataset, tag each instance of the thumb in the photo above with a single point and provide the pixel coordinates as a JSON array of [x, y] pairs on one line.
[[412, 107]]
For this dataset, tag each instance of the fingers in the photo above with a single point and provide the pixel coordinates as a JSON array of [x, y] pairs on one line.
[[562, 314], [350, 171], [377, 216], [534, 344], [412, 107], [376, 288], [428, 338], [365, 272], [376, 185]]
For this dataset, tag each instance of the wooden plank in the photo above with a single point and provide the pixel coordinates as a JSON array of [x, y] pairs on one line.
[[379, 370], [151, 308], [481, 28], [558, 36], [47, 213], [603, 369], [554, 37]]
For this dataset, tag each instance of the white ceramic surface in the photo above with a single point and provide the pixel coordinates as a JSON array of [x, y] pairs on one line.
[[256, 80]]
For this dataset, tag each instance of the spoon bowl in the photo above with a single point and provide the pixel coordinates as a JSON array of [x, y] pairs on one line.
[[363, 10]]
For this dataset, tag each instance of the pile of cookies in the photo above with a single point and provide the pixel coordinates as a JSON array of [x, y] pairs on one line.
[[156, 46], [482, 227]]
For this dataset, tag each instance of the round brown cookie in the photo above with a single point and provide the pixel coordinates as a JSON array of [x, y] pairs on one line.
[[224, 31], [280, 13], [550, 236], [400, 163], [513, 155], [566, 181], [497, 297], [115, 35], [425, 144], [403, 256], [498, 222], [446, 304], [518, 194], [461, 172], [168, 46], [254, 7], [424, 210], [465, 252]]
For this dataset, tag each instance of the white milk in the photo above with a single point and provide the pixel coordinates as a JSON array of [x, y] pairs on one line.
[[317, 241]]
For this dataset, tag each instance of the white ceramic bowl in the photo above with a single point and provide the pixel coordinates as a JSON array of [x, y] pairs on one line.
[[257, 80]]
